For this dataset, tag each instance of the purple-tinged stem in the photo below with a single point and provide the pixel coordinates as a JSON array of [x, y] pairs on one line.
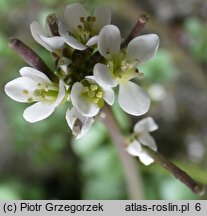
[[142, 20], [31, 57], [196, 187], [133, 180]]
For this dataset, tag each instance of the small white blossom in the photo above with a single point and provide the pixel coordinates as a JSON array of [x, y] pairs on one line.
[[88, 97], [141, 130], [121, 66], [50, 43], [80, 30], [34, 86], [78, 123]]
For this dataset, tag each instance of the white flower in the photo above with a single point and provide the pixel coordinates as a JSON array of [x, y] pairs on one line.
[[122, 66], [88, 97], [80, 30], [142, 129], [50, 43], [78, 123], [34, 86]]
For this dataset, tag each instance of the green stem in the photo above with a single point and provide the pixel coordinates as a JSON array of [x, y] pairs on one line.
[[176, 171], [133, 179]]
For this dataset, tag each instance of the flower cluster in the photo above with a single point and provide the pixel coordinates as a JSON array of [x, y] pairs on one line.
[[90, 62]]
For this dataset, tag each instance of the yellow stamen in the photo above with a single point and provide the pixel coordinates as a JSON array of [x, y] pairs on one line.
[[30, 100], [91, 94], [95, 100], [86, 89], [93, 87], [99, 95], [25, 92]]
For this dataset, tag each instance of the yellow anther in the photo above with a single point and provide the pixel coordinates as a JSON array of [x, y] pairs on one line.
[[86, 89], [95, 100], [25, 92], [93, 87], [46, 88], [99, 95], [91, 94], [61, 62], [30, 100], [38, 92]]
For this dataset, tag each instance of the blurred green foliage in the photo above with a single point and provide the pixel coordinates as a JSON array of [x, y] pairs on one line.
[[160, 69], [197, 32]]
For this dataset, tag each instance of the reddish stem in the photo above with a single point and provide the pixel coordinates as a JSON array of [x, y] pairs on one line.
[[31, 57], [176, 171], [131, 171], [141, 22]]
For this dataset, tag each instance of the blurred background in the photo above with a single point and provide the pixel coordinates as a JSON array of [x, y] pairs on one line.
[[43, 161]]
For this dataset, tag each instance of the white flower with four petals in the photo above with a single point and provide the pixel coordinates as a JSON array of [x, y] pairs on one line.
[[80, 30], [34, 86], [88, 97], [121, 66]]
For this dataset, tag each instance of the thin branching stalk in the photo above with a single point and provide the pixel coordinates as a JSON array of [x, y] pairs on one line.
[[141, 22], [131, 169], [31, 57], [196, 187]]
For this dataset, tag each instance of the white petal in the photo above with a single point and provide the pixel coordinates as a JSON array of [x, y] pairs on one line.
[[62, 27], [61, 93], [72, 15], [145, 125], [34, 74], [70, 40], [91, 79], [109, 96], [73, 42], [55, 42], [103, 76], [14, 89], [85, 122], [134, 148], [143, 48], [133, 99], [86, 126], [109, 41], [145, 159], [92, 41], [108, 93], [85, 107], [148, 140], [103, 17], [37, 31], [38, 112]]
